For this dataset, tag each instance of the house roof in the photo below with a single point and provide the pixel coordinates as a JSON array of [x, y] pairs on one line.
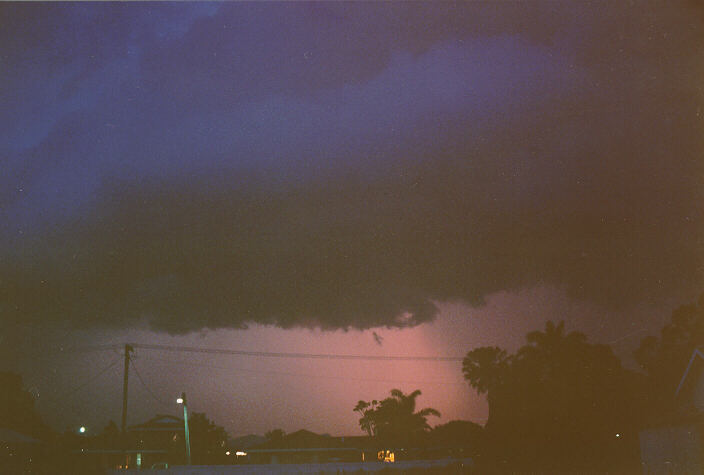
[[246, 441], [8, 436], [161, 422], [304, 439], [298, 440], [320, 449]]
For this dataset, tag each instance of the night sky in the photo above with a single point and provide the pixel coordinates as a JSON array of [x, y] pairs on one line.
[[346, 178]]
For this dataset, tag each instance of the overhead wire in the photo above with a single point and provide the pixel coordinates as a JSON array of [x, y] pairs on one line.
[[269, 354], [90, 380], [187, 349], [144, 385], [82, 348], [254, 372]]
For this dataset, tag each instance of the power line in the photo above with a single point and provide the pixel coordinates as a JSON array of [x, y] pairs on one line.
[[268, 354], [304, 375], [90, 380], [151, 393], [113, 347]]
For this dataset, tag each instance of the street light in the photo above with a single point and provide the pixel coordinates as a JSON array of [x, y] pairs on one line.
[[82, 429], [182, 400]]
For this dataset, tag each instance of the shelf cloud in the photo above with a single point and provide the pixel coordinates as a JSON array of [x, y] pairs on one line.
[[346, 165]]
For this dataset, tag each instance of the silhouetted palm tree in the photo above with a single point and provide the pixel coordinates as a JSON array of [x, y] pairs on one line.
[[554, 338], [395, 419], [485, 367], [553, 345]]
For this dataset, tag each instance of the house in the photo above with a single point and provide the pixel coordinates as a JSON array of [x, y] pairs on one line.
[[674, 442], [156, 442], [305, 447], [160, 440]]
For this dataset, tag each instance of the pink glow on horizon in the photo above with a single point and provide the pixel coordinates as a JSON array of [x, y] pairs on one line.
[[253, 394]]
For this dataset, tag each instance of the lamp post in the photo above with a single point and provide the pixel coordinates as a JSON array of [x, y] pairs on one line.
[[182, 400]]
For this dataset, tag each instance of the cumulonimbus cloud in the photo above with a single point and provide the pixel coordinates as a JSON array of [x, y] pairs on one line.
[[591, 182]]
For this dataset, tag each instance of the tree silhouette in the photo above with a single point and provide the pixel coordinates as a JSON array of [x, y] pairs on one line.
[[485, 367], [17, 411], [207, 439], [366, 421], [110, 436], [665, 358], [557, 403], [461, 434], [394, 420], [553, 342]]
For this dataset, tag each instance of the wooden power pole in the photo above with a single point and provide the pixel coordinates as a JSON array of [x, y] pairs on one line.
[[125, 442], [128, 348]]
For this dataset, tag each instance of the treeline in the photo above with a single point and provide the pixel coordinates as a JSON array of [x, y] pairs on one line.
[[559, 403]]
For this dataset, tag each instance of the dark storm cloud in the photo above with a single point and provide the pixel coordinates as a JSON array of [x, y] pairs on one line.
[[253, 49], [348, 165]]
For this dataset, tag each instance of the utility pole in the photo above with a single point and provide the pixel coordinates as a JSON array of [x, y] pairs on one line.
[[125, 442], [128, 348]]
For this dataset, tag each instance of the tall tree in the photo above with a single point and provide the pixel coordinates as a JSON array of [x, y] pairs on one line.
[[665, 358], [553, 342], [394, 420], [366, 421], [485, 367], [17, 411], [207, 439], [558, 403]]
